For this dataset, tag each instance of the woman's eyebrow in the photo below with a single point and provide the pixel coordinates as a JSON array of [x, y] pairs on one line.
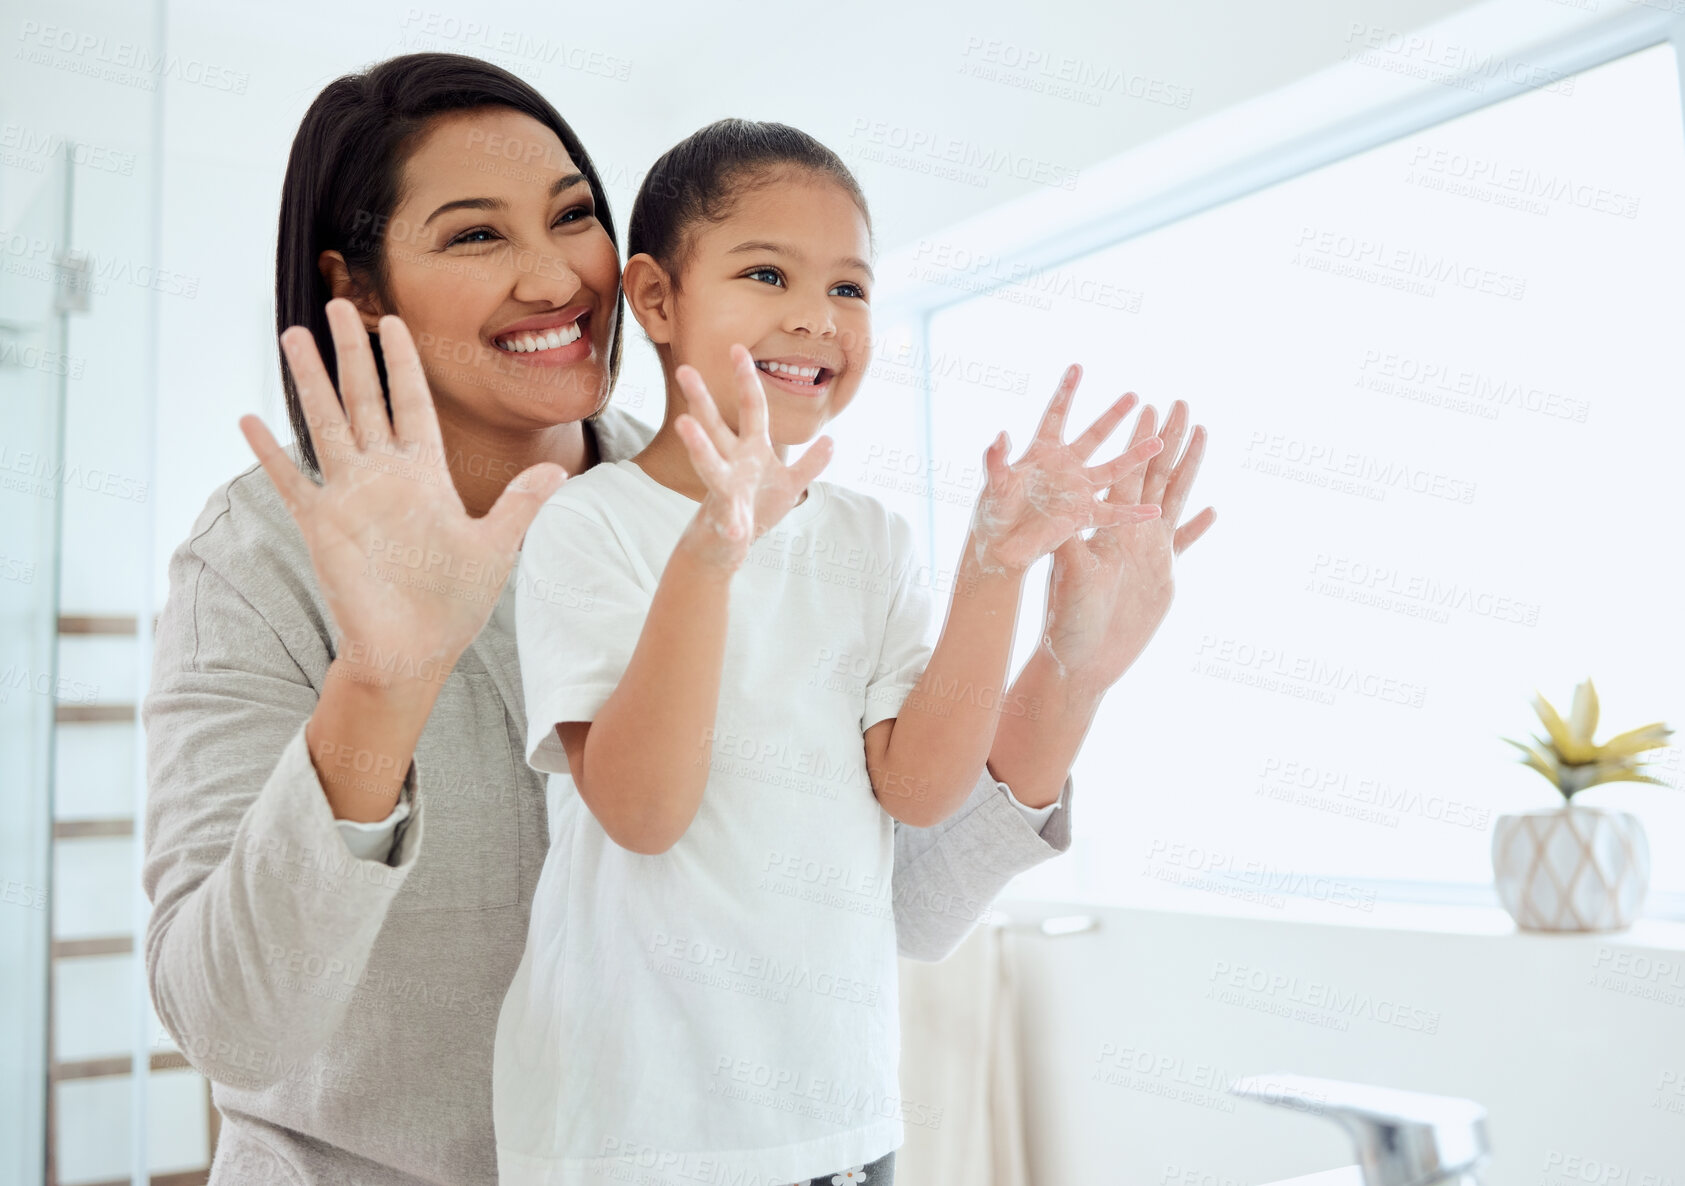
[[562, 183], [848, 261]]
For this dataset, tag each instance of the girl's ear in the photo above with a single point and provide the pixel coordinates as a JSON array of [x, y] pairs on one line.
[[331, 264], [650, 295]]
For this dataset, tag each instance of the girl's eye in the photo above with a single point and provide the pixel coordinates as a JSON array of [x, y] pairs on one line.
[[773, 272], [848, 289]]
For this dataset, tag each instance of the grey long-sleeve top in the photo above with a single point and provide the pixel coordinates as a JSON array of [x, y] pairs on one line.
[[345, 1008]]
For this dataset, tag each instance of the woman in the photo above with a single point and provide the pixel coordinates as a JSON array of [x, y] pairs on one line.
[[342, 844]]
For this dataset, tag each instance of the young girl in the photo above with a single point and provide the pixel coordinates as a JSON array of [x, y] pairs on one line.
[[734, 698]]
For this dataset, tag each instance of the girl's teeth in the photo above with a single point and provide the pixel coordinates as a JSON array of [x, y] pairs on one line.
[[804, 374], [548, 340]]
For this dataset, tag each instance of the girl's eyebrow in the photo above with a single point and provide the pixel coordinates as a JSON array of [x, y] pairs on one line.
[[565, 182], [848, 261]]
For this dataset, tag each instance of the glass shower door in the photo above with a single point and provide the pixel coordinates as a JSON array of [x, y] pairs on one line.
[[37, 285]]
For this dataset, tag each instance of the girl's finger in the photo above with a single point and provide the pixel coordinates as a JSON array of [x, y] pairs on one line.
[[359, 384], [995, 468], [1052, 427], [324, 419], [704, 457], [1102, 428], [1134, 458], [812, 462], [1116, 514], [297, 491], [751, 397], [414, 420], [704, 409]]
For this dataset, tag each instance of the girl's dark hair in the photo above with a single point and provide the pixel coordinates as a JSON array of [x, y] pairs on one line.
[[345, 173], [702, 176]]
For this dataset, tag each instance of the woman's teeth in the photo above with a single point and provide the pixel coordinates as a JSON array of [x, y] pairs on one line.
[[786, 371], [527, 343]]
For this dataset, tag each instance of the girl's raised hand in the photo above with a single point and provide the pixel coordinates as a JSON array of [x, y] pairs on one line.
[[749, 487], [1032, 506], [408, 576]]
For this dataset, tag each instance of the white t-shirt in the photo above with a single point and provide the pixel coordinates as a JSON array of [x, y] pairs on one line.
[[727, 1010]]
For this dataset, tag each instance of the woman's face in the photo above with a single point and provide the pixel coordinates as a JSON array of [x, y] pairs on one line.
[[497, 263]]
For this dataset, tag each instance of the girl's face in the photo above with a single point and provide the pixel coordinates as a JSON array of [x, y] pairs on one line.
[[785, 274], [497, 263]]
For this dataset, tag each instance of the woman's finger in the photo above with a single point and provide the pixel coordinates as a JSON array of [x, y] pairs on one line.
[[1051, 430], [324, 419], [1096, 433], [995, 468], [1190, 531], [414, 419], [1175, 425], [515, 508], [359, 384], [751, 397], [1181, 482], [704, 409], [296, 490]]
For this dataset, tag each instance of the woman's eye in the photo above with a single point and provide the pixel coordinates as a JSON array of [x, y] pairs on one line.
[[576, 214], [773, 272], [849, 290], [468, 236]]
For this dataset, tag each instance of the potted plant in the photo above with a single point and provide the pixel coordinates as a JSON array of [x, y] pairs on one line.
[[1576, 868]]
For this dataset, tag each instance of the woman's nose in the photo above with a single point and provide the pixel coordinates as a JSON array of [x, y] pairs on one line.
[[544, 276]]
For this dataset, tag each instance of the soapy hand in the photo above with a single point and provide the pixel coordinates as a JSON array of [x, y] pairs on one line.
[[749, 487], [1030, 507]]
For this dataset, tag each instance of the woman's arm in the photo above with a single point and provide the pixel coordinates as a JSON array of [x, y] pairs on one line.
[[245, 865], [927, 758]]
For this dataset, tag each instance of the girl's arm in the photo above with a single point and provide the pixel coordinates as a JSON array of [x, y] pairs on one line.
[[925, 761], [642, 763]]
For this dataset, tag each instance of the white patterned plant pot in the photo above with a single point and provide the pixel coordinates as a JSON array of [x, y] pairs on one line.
[[1571, 868]]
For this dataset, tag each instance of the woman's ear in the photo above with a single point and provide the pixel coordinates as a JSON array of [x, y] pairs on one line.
[[650, 295], [331, 264]]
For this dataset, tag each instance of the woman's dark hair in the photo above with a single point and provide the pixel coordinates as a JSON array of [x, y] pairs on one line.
[[701, 177], [343, 180]]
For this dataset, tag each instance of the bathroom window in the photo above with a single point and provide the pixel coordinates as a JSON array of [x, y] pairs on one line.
[[1444, 385]]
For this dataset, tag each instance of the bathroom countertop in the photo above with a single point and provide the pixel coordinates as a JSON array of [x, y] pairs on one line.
[[1352, 1175]]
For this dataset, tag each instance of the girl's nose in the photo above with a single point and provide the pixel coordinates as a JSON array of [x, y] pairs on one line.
[[811, 317]]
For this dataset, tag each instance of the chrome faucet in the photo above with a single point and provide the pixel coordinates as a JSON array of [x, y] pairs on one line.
[[1403, 1138]]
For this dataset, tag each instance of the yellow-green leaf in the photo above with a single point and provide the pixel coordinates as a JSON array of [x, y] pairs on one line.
[[1636, 741], [1567, 746], [1582, 717]]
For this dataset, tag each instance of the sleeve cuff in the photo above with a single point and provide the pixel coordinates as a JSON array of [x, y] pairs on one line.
[[1041, 819], [373, 840]]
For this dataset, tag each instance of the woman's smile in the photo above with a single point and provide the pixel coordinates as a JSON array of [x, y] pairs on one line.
[[549, 340]]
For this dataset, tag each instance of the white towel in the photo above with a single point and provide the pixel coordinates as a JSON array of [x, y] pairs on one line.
[[960, 1081]]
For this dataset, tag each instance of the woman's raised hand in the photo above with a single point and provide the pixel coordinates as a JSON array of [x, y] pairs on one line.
[[749, 487], [1032, 506], [1107, 594], [409, 577]]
